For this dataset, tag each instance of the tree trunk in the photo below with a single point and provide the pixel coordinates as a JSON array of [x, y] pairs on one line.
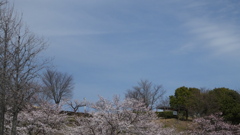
[[2, 117], [14, 123], [3, 84]]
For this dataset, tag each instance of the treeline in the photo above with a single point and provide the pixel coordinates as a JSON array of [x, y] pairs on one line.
[[196, 102]]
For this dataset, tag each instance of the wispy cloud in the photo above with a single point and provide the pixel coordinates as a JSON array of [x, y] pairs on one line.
[[218, 37], [212, 28]]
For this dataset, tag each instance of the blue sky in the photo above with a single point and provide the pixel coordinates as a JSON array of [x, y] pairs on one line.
[[109, 45]]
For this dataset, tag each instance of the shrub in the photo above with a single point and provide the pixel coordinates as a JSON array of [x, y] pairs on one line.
[[166, 114]]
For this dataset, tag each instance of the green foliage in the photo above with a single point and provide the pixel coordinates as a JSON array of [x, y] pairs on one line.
[[183, 97], [186, 99], [229, 103], [203, 103], [166, 114]]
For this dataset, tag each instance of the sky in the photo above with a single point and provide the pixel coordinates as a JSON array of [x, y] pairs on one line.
[[108, 45]]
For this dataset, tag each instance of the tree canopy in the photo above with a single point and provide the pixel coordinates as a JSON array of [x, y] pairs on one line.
[[228, 102], [183, 99], [202, 103]]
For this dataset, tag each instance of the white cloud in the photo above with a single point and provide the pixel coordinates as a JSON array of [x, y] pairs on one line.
[[212, 27], [219, 38]]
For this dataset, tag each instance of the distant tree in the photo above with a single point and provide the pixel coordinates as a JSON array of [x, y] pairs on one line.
[[57, 86], [75, 105], [209, 103], [228, 102], [186, 99], [165, 102], [196, 102], [147, 92]]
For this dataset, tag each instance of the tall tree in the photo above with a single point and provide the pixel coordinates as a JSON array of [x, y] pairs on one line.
[[57, 86], [20, 63], [186, 99], [147, 92], [4, 63]]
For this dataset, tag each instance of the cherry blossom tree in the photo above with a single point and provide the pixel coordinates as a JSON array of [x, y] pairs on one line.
[[214, 125], [120, 117], [127, 117], [41, 120]]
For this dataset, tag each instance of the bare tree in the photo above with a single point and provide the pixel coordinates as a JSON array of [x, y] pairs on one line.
[[4, 64], [57, 86], [19, 55], [165, 102], [75, 105], [24, 71], [147, 92]]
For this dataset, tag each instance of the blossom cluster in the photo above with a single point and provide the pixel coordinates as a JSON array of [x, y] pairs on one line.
[[214, 125], [128, 117]]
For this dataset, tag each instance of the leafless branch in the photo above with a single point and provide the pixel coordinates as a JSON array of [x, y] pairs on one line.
[[57, 85], [147, 92]]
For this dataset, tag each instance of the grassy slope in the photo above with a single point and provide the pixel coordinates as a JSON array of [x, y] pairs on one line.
[[177, 124]]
